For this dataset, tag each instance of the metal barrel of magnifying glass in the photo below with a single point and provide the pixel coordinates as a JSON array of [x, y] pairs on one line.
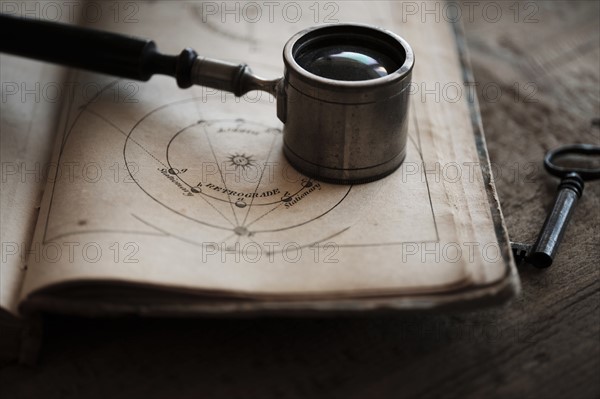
[[344, 102], [343, 98]]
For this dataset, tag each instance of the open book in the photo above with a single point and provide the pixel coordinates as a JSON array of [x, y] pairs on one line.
[[162, 201]]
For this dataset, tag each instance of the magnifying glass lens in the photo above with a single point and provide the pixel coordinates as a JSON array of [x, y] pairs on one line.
[[347, 62]]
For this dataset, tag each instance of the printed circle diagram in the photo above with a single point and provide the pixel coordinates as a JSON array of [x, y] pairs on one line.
[[226, 179]]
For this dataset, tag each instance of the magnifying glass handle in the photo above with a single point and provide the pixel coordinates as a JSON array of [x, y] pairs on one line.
[[546, 246], [94, 50], [121, 55]]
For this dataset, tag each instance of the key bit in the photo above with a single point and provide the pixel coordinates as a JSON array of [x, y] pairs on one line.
[[520, 251]]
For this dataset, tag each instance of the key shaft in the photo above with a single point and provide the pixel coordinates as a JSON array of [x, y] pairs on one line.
[[546, 246]]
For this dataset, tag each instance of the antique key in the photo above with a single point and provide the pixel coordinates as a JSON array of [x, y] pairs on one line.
[[541, 254]]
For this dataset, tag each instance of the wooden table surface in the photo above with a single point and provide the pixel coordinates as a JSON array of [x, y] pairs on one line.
[[538, 72]]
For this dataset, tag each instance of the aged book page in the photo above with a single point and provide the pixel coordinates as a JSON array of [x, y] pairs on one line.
[[31, 93], [189, 189]]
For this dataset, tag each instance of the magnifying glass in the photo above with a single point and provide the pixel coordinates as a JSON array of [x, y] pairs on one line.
[[343, 98]]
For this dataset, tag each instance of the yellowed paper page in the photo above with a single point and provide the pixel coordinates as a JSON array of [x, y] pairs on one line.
[[31, 93]]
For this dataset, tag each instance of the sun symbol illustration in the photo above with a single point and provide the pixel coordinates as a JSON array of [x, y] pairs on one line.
[[241, 161]]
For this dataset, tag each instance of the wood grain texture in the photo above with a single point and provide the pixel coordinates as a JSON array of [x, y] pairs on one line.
[[545, 344]]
